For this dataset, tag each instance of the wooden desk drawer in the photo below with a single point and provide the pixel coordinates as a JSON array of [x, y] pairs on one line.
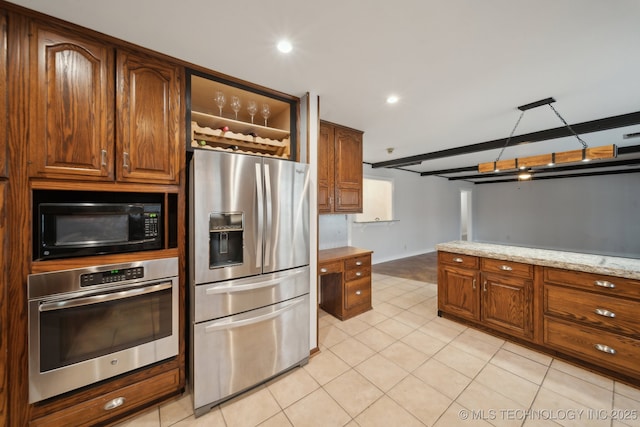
[[459, 260], [357, 273], [607, 285], [330, 267], [357, 292], [605, 349], [357, 262], [507, 267], [615, 314]]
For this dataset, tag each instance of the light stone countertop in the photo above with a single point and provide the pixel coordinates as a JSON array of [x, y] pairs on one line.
[[600, 264]]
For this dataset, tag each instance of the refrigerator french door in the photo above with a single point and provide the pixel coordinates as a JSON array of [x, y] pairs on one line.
[[249, 268]]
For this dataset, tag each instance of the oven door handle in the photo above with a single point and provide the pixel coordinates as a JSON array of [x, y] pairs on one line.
[[96, 299]]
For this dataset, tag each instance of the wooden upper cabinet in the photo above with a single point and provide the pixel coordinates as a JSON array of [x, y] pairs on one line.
[[148, 111], [95, 120], [339, 169], [71, 80], [4, 119]]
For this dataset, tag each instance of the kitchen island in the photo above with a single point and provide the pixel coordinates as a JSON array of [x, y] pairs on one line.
[[580, 307]]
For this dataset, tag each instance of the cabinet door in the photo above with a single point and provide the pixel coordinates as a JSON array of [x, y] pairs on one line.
[[458, 292], [326, 168], [506, 304], [71, 81], [148, 105], [348, 175], [3, 95]]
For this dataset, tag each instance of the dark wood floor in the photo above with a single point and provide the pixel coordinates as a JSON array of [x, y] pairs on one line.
[[420, 267]]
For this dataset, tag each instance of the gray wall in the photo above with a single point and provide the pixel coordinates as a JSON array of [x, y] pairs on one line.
[[599, 214]]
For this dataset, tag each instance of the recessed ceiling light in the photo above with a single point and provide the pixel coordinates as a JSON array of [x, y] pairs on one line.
[[284, 46], [392, 99]]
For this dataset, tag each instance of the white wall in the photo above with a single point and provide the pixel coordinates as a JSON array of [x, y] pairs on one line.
[[427, 210], [597, 214]]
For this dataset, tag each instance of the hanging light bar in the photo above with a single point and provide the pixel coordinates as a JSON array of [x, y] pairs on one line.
[[583, 155]]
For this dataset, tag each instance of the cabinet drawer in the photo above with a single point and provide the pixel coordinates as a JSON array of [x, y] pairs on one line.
[[357, 292], [98, 409], [330, 267], [615, 314], [459, 260], [605, 349], [357, 262], [607, 285], [507, 267], [357, 273]]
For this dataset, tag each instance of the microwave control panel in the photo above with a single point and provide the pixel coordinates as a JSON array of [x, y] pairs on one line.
[[150, 225], [111, 276]]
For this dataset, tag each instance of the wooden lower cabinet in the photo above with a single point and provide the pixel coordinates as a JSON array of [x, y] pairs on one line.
[[345, 281], [583, 317], [116, 403]]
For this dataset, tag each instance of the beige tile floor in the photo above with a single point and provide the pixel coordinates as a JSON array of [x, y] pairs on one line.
[[401, 365]]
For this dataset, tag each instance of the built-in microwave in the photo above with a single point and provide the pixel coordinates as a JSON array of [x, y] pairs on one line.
[[81, 229]]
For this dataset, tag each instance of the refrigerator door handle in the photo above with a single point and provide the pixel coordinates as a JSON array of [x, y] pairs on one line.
[[230, 288], [260, 215], [269, 212], [224, 324]]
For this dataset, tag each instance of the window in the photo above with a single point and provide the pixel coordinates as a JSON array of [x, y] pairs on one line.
[[377, 203]]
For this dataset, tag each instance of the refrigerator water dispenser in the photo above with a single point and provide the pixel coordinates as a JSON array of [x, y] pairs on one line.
[[225, 239]]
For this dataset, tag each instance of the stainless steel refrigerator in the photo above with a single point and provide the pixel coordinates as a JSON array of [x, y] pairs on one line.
[[249, 272]]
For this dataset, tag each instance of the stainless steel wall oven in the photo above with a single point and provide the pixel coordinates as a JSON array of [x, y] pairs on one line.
[[90, 324]]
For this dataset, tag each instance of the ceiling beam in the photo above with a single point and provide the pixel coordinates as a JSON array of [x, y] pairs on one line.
[[573, 175], [447, 171], [544, 135]]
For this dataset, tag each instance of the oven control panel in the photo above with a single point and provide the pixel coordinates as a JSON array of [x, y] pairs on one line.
[[111, 276]]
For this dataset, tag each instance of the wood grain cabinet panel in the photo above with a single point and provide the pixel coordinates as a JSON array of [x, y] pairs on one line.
[[4, 95], [71, 81], [339, 169], [507, 304], [458, 292], [88, 126]]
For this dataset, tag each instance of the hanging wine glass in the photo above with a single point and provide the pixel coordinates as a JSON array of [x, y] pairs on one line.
[[252, 109], [220, 100], [235, 105], [266, 112]]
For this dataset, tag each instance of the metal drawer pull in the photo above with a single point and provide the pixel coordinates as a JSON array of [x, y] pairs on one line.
[[605, 349], [484, 286], [604, 312], [358, 263], [358, 292], [604, 284], [323, 270], [113, 404], [506, 267], [457, 259], [474, 283], [358, 273]]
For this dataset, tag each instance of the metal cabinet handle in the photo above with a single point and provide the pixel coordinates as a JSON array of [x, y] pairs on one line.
[[358, 274], [474, 284], [484, 286], [323, 270], [457, 259], [604, 312], [605, 349], [113, 404], [358, 263], [604, 284], [505, 267], [104, 158], [358, 292], [125, 160]]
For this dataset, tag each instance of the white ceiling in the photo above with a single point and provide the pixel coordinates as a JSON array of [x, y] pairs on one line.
[[460, 67]]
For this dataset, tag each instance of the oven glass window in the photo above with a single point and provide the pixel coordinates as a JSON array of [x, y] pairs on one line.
[[78, 229], [71, 335]]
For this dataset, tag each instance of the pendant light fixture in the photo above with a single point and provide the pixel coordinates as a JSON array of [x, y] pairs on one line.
[[584, 154]]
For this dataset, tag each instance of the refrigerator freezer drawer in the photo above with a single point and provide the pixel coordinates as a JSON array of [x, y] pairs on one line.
[[221, 299], [238, 352]]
